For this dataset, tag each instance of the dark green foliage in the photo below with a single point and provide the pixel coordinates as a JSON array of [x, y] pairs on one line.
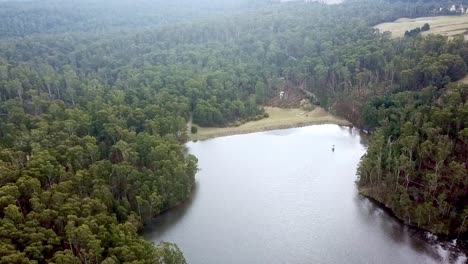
[[417, 31], [77, 182], [425, 27], [413, 32], [417, 160], [20, 18], [91, 122]]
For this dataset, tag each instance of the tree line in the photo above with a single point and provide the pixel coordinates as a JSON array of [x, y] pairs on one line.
[[416, 31], [416, 163], [92, 122]]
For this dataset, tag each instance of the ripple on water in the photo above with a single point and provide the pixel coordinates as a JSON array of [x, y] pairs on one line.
[[284, 197]]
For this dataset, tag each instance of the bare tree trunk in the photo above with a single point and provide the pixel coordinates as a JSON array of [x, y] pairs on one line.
[[48, 89], [461, 227]]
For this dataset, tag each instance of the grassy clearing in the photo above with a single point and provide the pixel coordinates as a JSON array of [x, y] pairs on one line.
[[464, 80], [444, 25], [279, 118]]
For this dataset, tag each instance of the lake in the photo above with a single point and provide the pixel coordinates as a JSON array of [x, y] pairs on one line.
[[284, 197]]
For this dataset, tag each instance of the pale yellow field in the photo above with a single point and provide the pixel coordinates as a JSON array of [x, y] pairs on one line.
[[464, 80], [279, 118], [444, 25]]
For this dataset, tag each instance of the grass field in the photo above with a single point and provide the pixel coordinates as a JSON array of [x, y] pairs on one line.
[[279, 118], [444, 25], [464, 80]]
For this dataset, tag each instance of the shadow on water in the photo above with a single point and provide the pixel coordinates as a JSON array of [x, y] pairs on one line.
[[351, 130], [235, 241], [355, 132], [168, 219], [279, 133], [440, 249]]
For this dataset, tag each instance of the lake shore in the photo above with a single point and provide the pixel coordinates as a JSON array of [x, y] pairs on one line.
[[279, 118], [373, 196]]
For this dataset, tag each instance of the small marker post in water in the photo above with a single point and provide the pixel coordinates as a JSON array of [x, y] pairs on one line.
[[333, 148]]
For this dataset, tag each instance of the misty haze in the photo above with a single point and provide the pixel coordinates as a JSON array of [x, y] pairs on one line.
[[233, 131]]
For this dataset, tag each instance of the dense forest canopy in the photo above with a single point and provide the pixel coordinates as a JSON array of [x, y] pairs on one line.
[[94, 100], [416, 162], [33, 17], [21, 18]]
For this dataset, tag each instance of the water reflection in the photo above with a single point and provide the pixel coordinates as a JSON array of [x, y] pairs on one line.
[[423, 243], [169, 219], [285, 197]]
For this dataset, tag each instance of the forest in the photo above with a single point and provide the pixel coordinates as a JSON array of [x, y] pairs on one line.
[[416, 162], [94, 106]]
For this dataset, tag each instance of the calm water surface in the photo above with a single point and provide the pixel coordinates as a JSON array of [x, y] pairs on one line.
[[284, 197]]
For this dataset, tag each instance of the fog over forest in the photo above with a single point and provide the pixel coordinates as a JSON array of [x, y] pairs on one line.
[[98, 99]]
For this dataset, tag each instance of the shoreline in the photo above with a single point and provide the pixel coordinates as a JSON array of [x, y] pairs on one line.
[[279, 118], [440, 237]]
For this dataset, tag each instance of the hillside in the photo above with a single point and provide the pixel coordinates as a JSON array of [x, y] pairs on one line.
[[444, 25], [417, 159], [94, 111]]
